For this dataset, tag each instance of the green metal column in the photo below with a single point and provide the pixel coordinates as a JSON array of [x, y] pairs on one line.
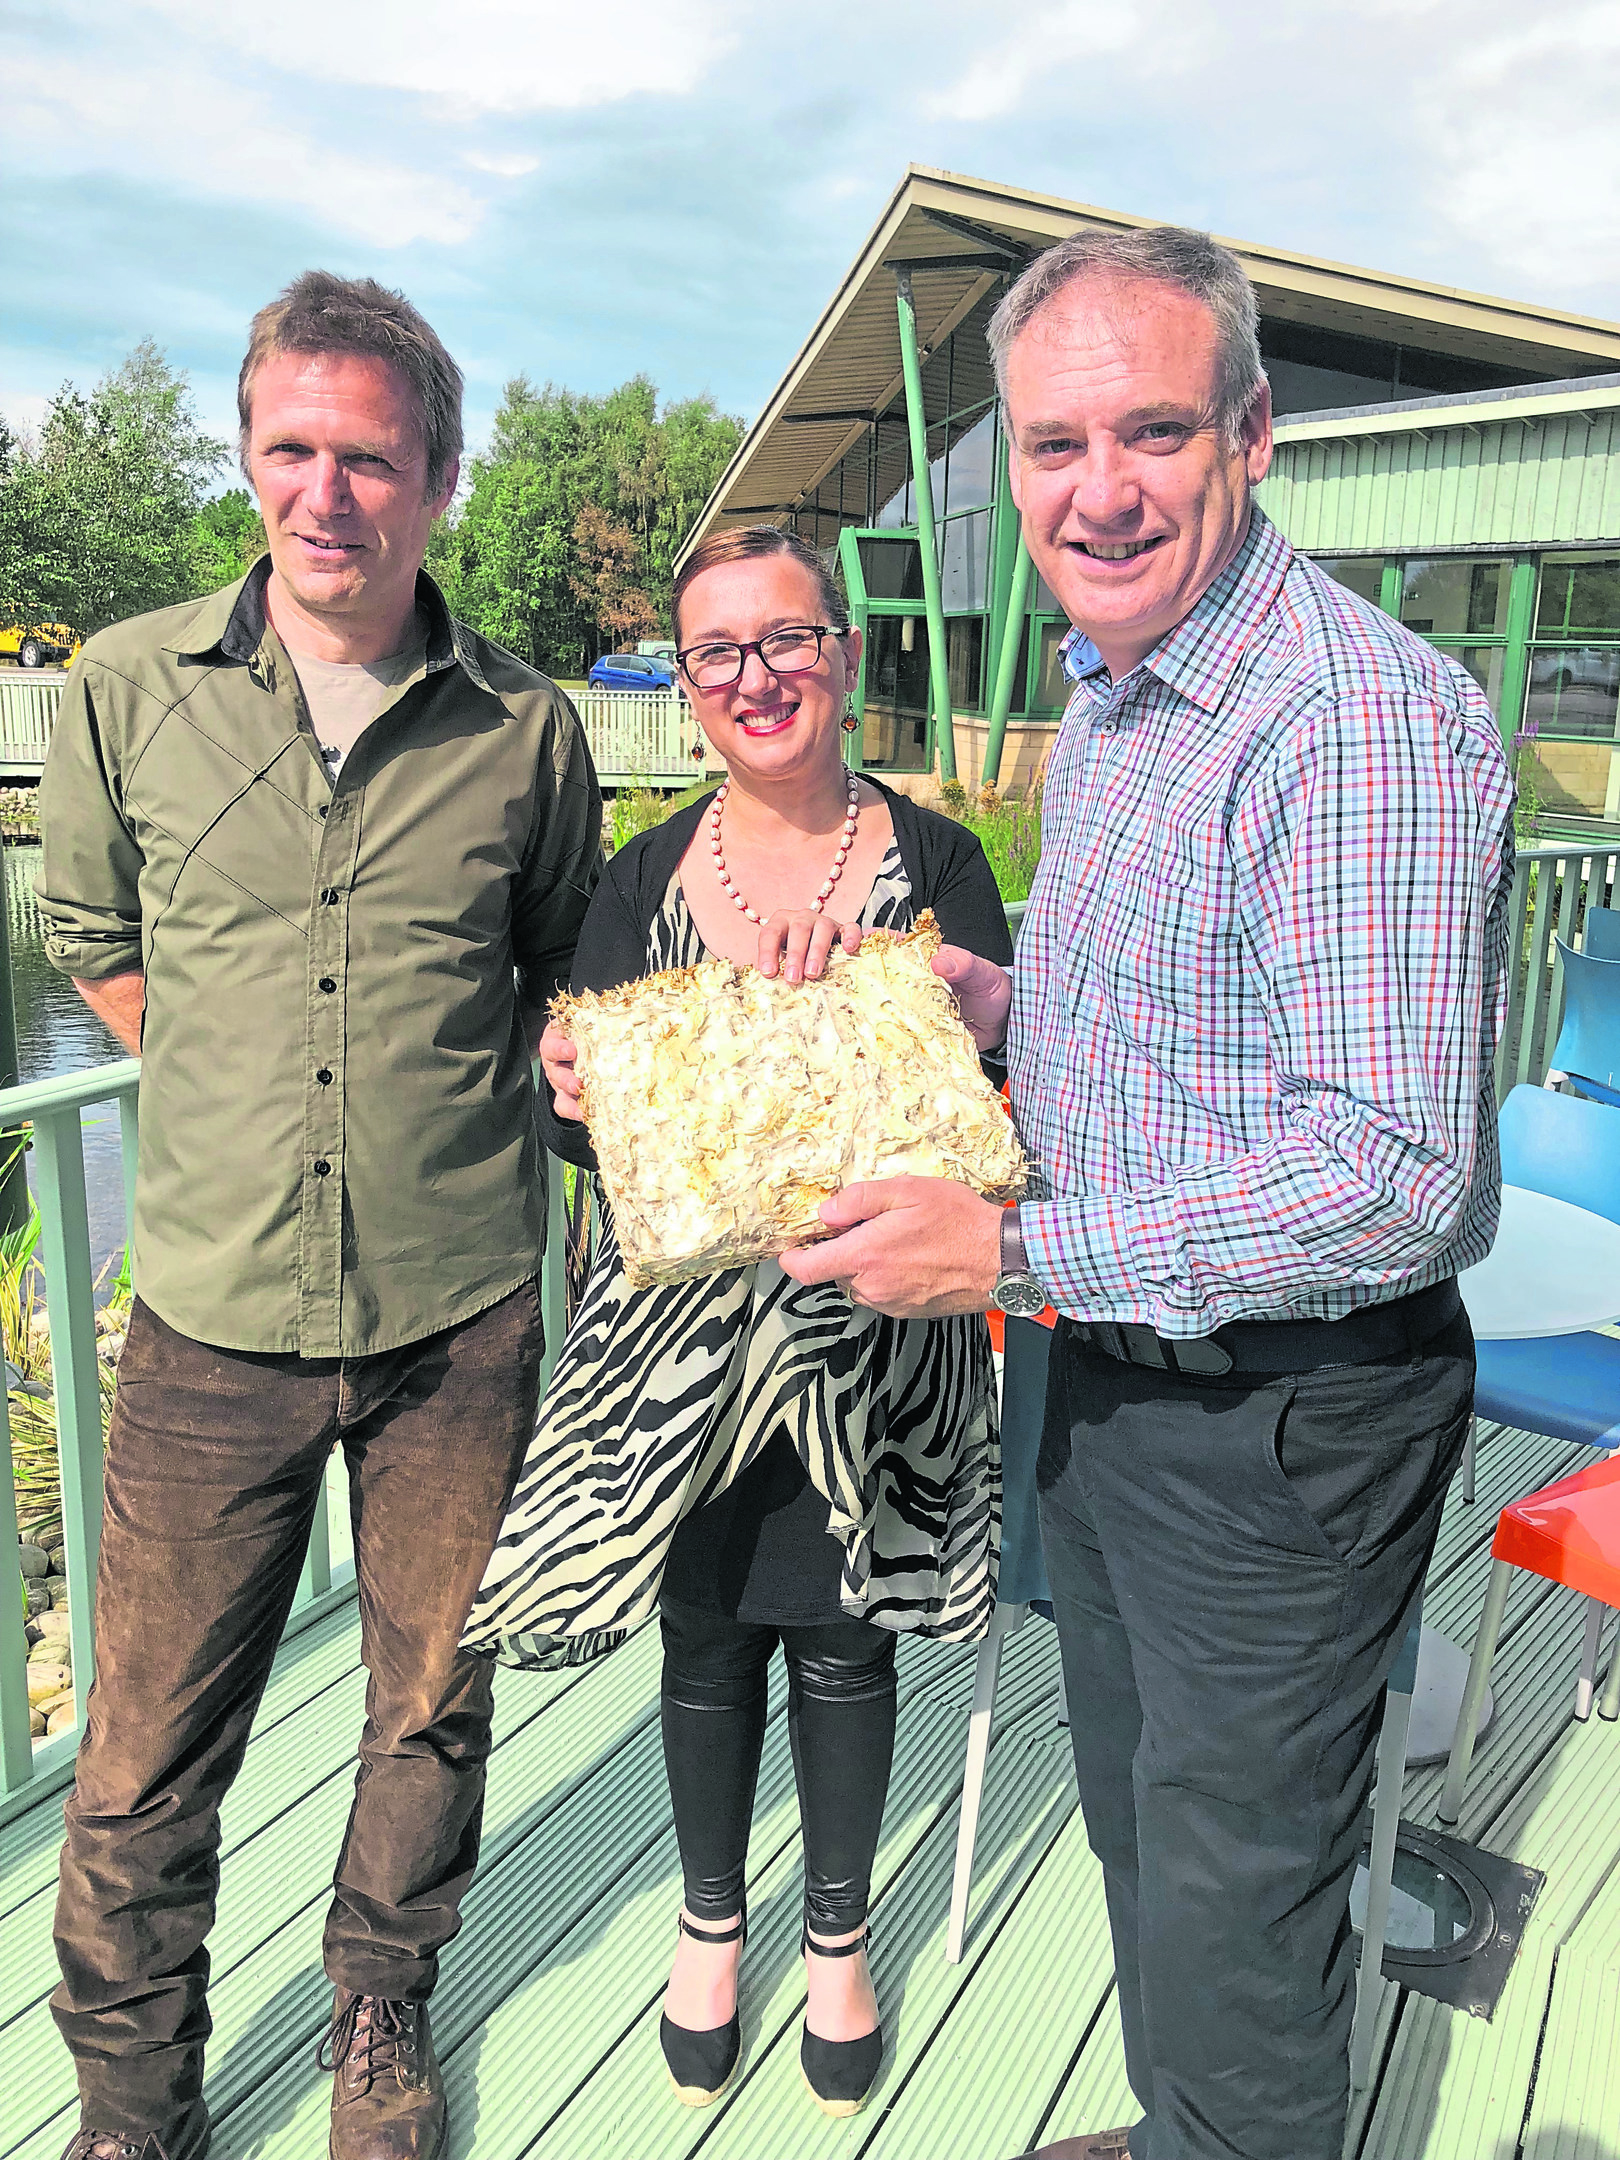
[[849, 561], [922, 483], [1521, 616], [1012, 637], [1389, 592], [1006, 545]]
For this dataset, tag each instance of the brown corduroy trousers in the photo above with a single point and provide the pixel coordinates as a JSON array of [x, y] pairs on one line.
[[215, 1466]]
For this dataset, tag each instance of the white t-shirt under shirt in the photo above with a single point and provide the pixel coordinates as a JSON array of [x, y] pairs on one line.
[[344, 698]]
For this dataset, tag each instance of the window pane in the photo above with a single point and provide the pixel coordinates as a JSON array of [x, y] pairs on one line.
[[1572, 779], [1362, 574], [892, 569], [1579, 594], [1453, 596], [1045, 601], [964, 570], [1052, 686], [1574, 690], [895, 736], [972, 465], [964, 650], [1485, 663], [897, 510]]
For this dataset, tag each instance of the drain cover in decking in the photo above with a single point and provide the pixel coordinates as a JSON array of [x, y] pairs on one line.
[[1456, 1917]]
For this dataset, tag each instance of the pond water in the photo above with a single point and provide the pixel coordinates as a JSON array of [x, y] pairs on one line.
[[58, 1033]]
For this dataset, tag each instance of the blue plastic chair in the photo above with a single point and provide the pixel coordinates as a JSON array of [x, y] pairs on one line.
[[1600, 938], [1588, 1048], [1565, 1385]]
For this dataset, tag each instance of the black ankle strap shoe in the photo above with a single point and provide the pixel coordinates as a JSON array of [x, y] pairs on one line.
[[839, 2073], [702, 2064]]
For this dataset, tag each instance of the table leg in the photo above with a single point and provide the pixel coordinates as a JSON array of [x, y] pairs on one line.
[[1442, 1674]]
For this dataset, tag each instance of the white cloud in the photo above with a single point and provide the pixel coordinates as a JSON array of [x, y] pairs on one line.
[[178, 126], [484, 56], [1530, 152], [512, 167], [368, 118], [1047, 54]]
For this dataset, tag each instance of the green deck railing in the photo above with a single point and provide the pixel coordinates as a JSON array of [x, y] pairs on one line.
[[1552, 891], [52, 1109]]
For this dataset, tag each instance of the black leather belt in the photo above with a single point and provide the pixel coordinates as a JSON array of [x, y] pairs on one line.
[[1277, 1346]]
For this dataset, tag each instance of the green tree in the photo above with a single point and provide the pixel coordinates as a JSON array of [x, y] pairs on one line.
[[227, 539], [97, 515], [564, 545]]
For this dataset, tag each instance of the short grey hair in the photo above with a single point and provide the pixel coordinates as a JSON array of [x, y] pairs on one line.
[[1173, 255], [322, 313]]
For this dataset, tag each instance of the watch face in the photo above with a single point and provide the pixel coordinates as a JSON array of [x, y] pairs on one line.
[[1020, 1295]]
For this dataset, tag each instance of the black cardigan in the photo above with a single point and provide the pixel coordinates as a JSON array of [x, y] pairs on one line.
[[945, 867]]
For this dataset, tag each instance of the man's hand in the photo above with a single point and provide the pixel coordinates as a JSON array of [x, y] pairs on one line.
[[557, 1055], [916, 1248], [118, 1002], [794, 943], [983, 991]]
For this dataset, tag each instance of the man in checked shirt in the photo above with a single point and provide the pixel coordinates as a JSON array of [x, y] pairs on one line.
[[1250, 1035]]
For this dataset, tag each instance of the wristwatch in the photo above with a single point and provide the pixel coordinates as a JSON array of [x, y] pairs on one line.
[[1017, 1291]]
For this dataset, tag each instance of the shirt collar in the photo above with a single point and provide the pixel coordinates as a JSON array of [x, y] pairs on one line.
[[232, 623], [1200, 655], [1079, 657]]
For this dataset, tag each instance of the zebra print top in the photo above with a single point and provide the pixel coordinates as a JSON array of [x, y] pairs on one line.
[[662, 1397]]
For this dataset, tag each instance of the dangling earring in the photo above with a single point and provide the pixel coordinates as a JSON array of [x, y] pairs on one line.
[[700, 748], [850, 721]]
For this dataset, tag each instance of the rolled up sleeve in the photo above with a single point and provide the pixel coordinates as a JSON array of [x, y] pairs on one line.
[[88, 885]]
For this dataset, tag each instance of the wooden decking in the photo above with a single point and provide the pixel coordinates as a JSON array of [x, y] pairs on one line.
[[546, 2016]]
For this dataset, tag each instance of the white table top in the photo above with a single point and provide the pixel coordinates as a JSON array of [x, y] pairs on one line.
[[1554, 1270]]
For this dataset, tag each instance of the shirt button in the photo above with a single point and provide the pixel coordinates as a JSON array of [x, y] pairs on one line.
[[325, 807], [329, 893], [326, 983], [322, 1167], [324, 1076]]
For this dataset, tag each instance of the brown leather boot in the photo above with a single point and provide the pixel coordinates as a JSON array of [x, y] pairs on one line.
[[387, 2094], [185, 2140]]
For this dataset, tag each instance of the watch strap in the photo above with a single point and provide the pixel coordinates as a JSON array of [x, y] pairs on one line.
[[1014, 1259]]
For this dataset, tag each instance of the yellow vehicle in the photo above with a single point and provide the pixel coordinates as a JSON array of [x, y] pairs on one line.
[[43, 645]]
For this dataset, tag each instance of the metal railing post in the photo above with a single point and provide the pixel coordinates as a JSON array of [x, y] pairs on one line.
[[16, 1743], [13, 1164], [70, 1305], [554, 1267]]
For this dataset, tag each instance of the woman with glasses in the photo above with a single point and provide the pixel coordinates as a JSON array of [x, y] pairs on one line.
[[769, 1463]]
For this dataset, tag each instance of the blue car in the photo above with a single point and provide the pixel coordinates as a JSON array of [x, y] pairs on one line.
[[631, 671]]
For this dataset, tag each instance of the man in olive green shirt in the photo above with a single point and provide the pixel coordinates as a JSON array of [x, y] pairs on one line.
[[320, 854]]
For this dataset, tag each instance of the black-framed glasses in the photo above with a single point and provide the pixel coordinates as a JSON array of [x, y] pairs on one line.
[[792, 650]]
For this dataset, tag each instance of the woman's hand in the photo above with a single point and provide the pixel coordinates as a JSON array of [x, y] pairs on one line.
[[557, 1056], [983, 991], [794, 943]]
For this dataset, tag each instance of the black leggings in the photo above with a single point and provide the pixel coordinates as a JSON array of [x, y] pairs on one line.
[[841, 1697]]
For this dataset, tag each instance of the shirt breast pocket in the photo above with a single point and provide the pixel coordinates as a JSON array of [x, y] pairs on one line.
[[1166, 944]]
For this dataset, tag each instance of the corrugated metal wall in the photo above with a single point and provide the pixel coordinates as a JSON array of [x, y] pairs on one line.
[[1500, 483]]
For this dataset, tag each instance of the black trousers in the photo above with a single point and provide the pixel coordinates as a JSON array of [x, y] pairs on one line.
[[1231, 1563], [841, 1704], [215, 1466]]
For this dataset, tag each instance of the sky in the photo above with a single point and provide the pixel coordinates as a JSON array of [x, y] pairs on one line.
[[675, 187]]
